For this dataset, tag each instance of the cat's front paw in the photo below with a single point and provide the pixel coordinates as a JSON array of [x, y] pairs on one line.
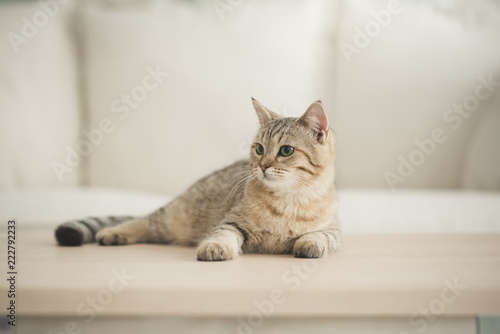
[[215, 251], [309, 249], [111, 237]]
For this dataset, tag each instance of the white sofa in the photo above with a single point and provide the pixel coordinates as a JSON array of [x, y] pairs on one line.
[[113, 107]]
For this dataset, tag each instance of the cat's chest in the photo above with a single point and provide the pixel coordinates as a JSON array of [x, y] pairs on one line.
[[273, 228], [273, 224], [288, 219]]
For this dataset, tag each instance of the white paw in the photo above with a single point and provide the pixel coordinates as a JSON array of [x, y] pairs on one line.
[[309, 249], [111, 237], [215, 251]]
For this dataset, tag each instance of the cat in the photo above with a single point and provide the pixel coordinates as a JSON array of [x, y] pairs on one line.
[[281, 200]]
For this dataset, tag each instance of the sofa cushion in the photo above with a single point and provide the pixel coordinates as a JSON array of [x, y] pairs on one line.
[[39, 112], [405, 68], [48, 207], [482, 159], [175, 79], [360, 210], [419, 211]]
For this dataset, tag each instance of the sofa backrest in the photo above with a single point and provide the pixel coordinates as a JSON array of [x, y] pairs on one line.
[[414, 80], [39, 97], [153, 95]]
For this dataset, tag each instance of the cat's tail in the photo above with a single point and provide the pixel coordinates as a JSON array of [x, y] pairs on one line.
[[78, 232]]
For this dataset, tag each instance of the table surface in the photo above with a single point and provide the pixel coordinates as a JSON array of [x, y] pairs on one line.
[[372, 275]]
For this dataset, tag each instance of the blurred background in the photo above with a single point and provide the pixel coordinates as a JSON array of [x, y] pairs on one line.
[[109, 104]]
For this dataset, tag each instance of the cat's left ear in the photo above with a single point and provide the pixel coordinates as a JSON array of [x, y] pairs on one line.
[[316, 119]]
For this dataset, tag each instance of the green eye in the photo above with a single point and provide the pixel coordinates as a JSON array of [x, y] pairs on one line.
[[286, 150], [259, 149]]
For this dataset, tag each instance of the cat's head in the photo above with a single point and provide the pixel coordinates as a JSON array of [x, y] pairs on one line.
[[293, 153]]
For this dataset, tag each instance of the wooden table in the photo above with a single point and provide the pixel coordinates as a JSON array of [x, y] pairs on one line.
[[371, 276]]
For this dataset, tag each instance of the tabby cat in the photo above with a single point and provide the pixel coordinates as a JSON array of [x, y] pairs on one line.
[[281, 200]]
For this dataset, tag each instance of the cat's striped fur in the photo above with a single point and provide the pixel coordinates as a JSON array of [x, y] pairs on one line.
[[77, 232], [275, 202]]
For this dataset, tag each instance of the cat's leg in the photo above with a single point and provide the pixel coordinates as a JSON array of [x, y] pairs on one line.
[[224, 243], [317, 244], [129, 232], [151, 228]]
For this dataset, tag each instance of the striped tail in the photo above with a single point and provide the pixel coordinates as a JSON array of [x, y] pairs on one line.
[[78, 232]]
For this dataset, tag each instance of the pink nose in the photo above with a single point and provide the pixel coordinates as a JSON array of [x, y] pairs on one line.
[[264, 167]]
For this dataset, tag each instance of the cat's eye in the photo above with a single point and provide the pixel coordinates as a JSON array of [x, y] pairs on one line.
[[286, 150], [259, 149]]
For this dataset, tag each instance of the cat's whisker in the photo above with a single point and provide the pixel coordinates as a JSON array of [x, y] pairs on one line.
[[241, 182]]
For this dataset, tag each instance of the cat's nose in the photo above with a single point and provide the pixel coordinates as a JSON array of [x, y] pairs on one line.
[[264, 167]]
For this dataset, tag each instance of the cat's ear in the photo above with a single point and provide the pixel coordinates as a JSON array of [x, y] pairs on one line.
[[316, 119], [265, 115]]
